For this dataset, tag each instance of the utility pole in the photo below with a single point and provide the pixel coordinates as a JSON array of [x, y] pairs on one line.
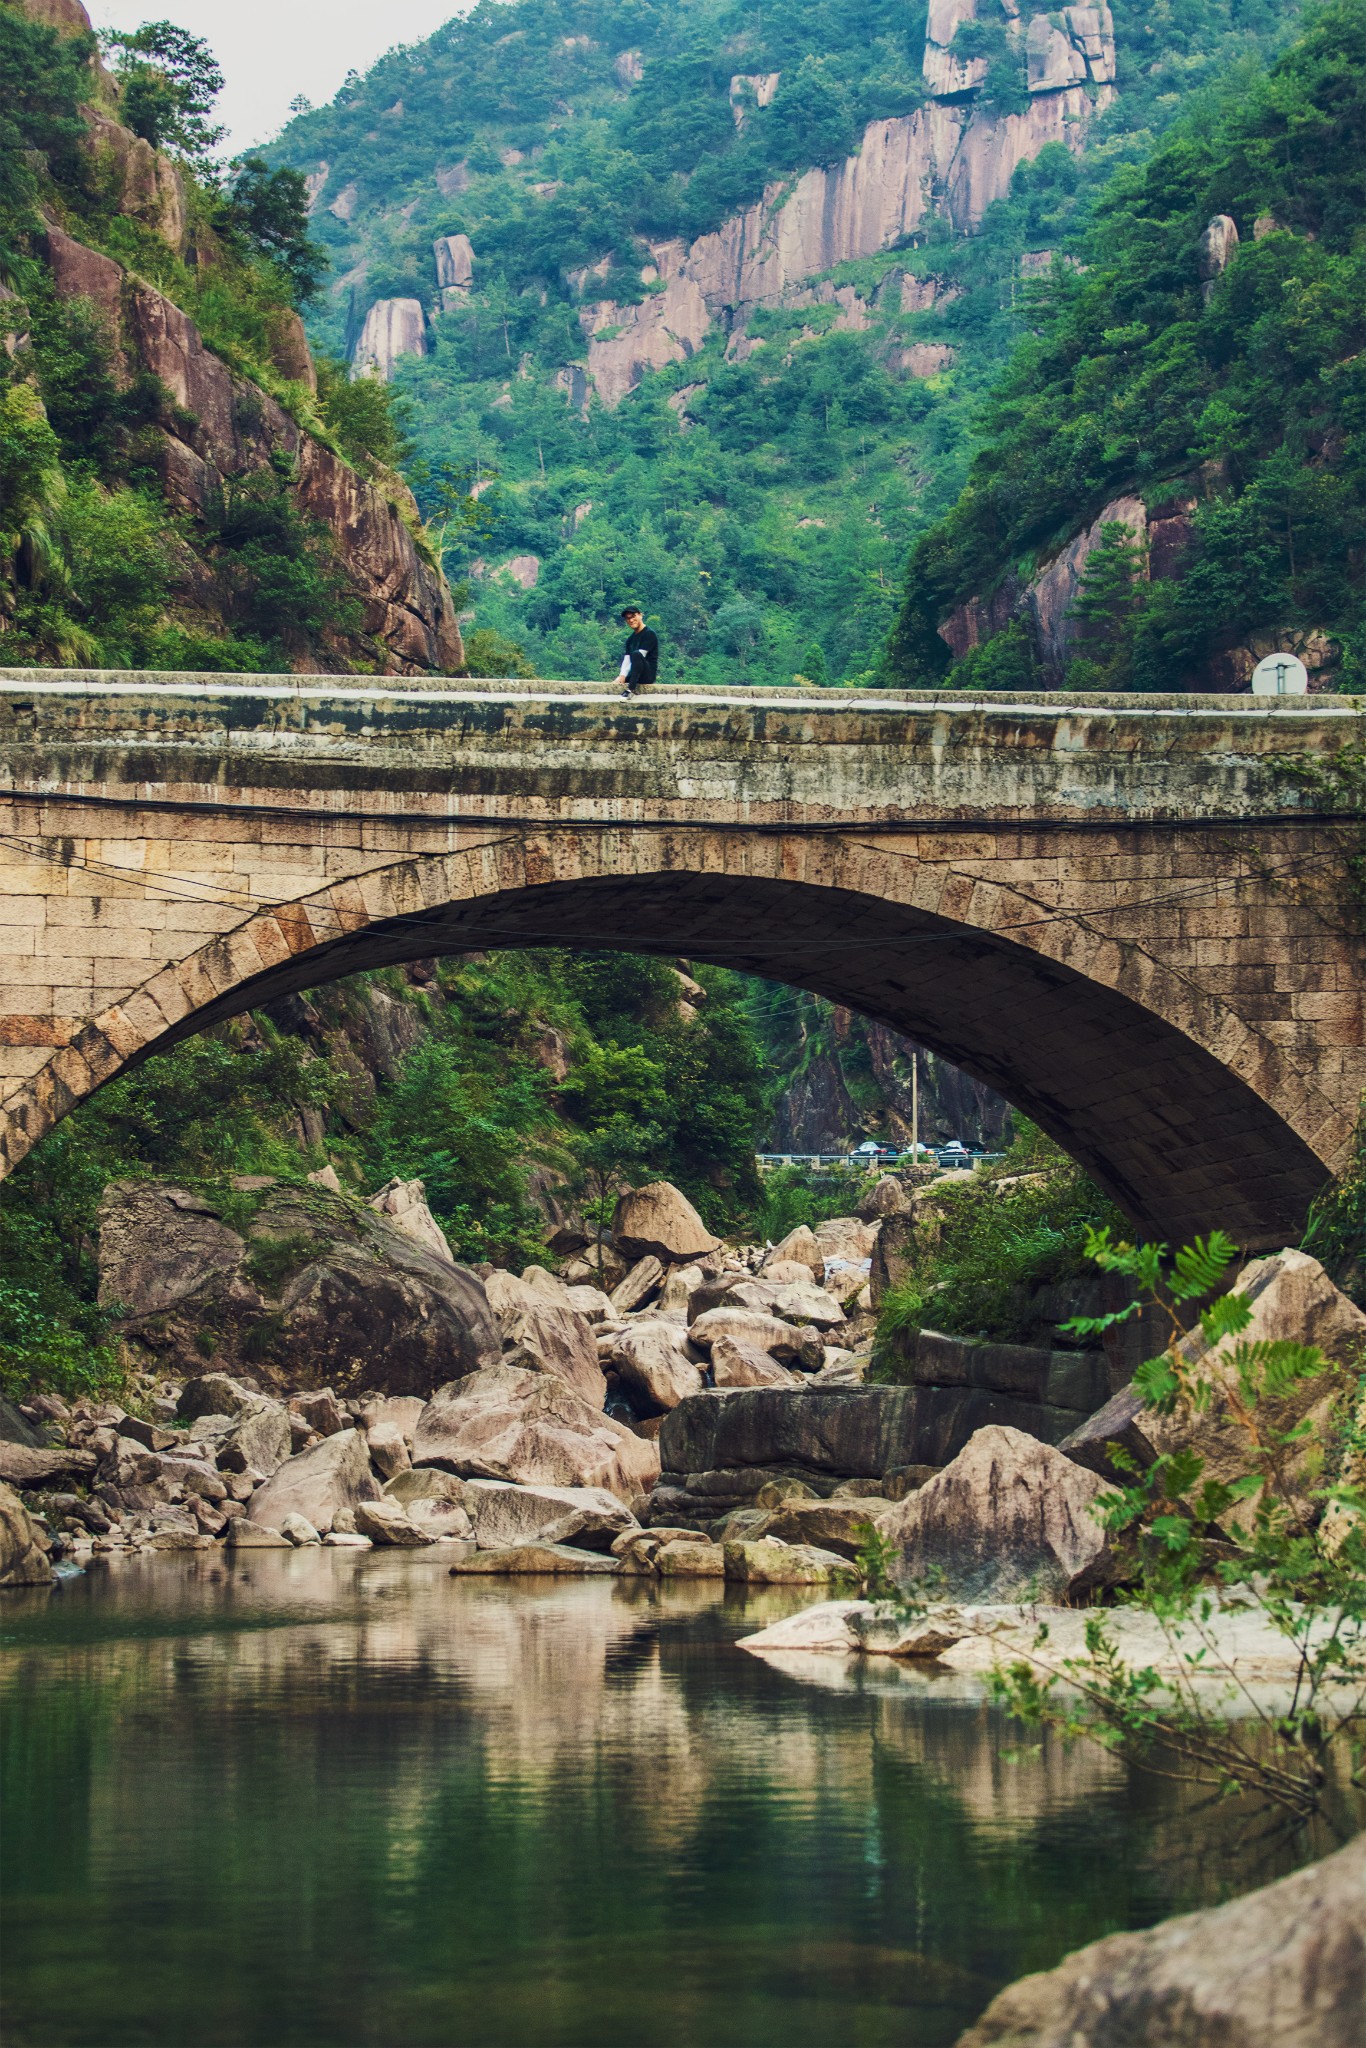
[[915, 1103]]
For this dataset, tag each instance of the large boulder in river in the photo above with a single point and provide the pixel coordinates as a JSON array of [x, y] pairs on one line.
[[1009, 1519], [545, 1331], [302, 1288], [23, 1561], [1284, 1967], [531, 1428], [761, 1332], [506, 1516], [655, 1365], [317, 1484], [660, 1219]]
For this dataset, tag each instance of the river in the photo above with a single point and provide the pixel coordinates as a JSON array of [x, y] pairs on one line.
[[325, 1799]]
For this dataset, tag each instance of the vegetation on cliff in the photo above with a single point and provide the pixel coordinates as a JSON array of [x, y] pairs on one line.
[[1236, 402], [96, 567]]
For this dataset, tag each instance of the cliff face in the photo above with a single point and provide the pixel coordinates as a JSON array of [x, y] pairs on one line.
[[953, 159], [857, 1082], [201, 422]]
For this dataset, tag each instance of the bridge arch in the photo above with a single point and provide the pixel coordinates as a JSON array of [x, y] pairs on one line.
[[1187, 1111]]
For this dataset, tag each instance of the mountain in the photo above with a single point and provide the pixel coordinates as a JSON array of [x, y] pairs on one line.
[[1172, 483], [700, 301], [180, 487]]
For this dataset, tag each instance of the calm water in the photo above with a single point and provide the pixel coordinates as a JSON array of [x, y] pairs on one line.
[[345, 1801]]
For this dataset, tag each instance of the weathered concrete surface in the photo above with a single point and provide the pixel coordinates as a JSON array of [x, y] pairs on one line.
[[1118, 913]]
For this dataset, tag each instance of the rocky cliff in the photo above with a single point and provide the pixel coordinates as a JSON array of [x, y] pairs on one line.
[[202, 424]]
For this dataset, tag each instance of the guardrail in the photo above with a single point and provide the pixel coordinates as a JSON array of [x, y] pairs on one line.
[[855, 1162]]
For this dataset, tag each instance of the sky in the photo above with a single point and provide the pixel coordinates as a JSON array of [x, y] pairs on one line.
[[272, 50]]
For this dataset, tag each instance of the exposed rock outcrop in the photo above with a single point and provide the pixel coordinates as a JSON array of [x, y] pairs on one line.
[[392, 328], [317, 1292], [1284, 1967], [531, 1428], [962, 156], [23, 1556], [1009, 1519], [214, 424]]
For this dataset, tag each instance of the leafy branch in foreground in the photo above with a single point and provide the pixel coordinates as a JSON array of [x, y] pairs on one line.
[[1280, 1545]]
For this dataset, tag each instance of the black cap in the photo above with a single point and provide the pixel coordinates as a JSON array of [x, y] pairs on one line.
[[627, 610]]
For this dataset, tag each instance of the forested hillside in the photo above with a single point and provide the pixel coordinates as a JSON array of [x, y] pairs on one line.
[[685, 294], [1172, 482]]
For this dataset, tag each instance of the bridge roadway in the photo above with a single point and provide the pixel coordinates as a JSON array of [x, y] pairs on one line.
[[1126, 914]]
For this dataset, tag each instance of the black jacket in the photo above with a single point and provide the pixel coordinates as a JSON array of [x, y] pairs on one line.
[[642, 650]]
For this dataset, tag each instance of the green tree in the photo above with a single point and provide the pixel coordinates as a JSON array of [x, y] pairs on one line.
[[170, 80]]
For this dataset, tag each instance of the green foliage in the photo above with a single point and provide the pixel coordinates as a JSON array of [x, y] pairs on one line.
[[793, 1195], [364, 417], [490, 653], [45, 79], [219, 1104], [278, 566], [170, 80], [1285, 1540], [1246, 401], [267, 211], [974, 1262], [1336, 1230]]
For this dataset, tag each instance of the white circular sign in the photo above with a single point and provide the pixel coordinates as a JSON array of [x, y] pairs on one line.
[[1280, 675]]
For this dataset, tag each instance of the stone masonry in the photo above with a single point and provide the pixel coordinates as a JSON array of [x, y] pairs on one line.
[[1120, 913]]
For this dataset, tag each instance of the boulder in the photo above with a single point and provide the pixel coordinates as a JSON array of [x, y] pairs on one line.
[[844, 1432], [808, 1304], [321, 1411], [424, 1483], [532, 1428], [1009, 1519], [675, 1296], [404, 1202], [386, 1521], [440, 1518], [886, 1197], [389, 1453], [249, 1535], [298, 1530], [760, 1332], [799, 1248], [825, 1628], [589, 1302], [317, 1290], [744, 1365], [786, 1273], [315, 1483], [841, 1526], [1283, 1967], [21, 1466], [551, 1337], [769, 1562], [654, 1363], [660, 1219], [214, 1393], [506, 1517], [1290, 1296], [848, 1238], [401, 1413], [23, 1558], [690, 1557], [257, 1442], [537, 1560], [645, 1276]]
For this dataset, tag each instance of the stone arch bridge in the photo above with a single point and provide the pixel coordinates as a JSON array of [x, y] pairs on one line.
[[1123, 914]]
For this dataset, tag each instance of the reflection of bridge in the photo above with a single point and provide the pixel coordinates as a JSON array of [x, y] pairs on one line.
[[1118, 913]]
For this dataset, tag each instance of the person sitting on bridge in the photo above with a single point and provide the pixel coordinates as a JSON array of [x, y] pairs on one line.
[[641, 657]]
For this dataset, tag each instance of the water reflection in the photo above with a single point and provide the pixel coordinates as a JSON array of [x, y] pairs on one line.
[[322, 1798]]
